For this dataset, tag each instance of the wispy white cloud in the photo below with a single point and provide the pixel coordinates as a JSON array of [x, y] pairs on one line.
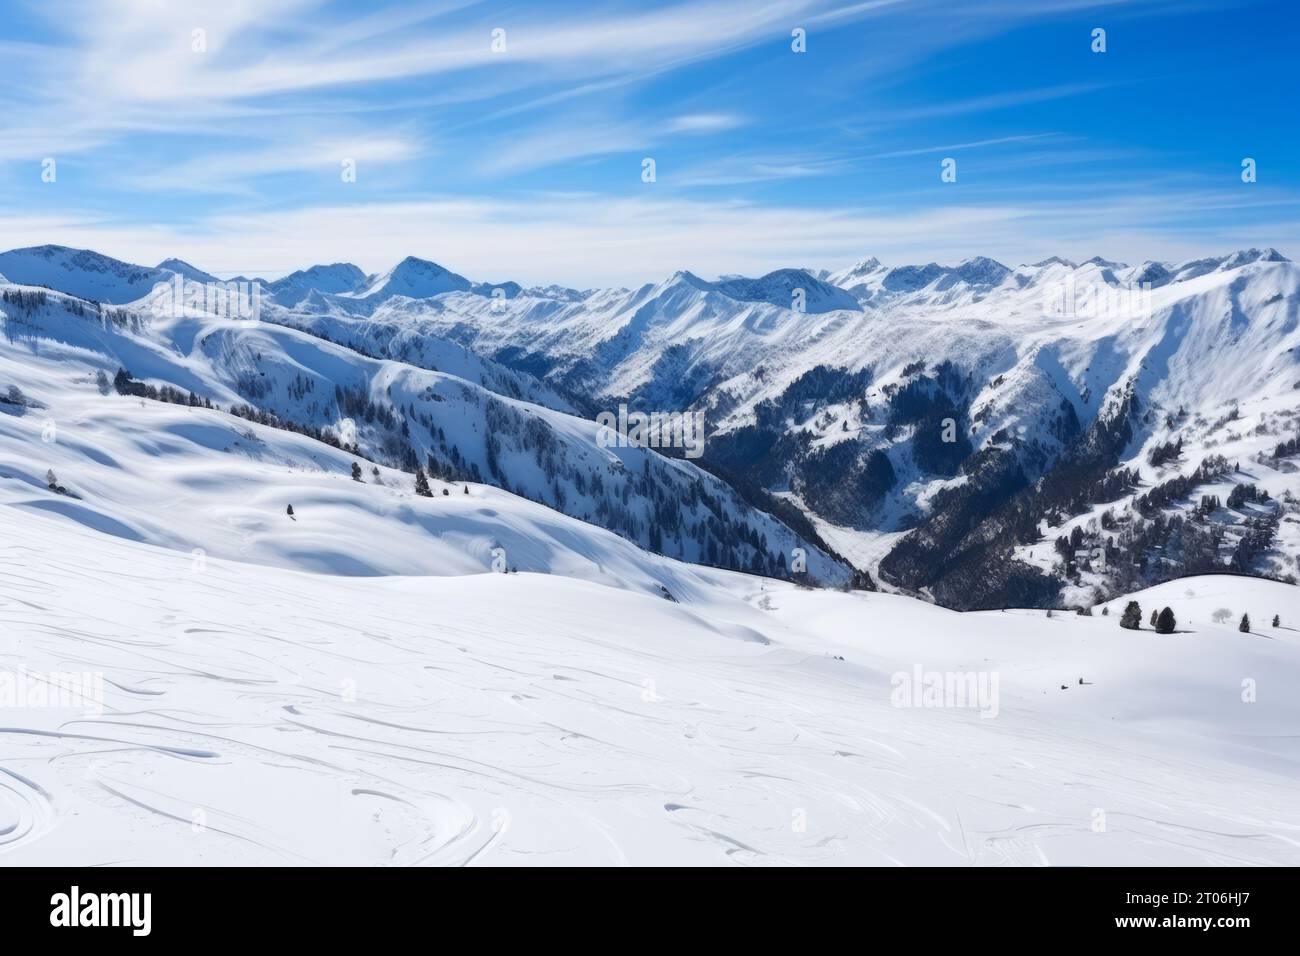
[[130, 68], [573, 139], [759, 167], [958, 147], [236, 171], [140, 52], [704, 123], [582, 136], [985, 104]]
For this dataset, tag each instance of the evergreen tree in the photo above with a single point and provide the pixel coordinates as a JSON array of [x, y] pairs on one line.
[[1277, 621], [1132, 617], [289, 511], [1244, 626], [1165, 623], [422, 484], [356, 472]]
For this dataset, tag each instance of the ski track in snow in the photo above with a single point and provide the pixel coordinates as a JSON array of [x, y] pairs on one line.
[[259, 715]]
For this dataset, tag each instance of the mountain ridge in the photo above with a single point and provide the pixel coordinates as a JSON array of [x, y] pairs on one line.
[[933, 387]]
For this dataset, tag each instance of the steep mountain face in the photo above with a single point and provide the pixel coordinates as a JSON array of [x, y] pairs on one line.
[[341, 277], [870, 280], [794, 289], [413, 343], [349, 407], [934, 387], [1047, 434], [661, 344]]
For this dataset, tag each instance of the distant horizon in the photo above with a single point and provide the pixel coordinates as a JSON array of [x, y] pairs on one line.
[[811, 269]]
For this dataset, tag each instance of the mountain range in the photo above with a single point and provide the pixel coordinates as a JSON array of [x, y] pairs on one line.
[[1049, 435], [352, 574]]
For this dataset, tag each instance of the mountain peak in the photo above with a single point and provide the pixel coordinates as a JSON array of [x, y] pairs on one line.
[[911, 278], [185, 270], [684, 278], [415, 263], [779, 288], [1244, 256], [334, 268], [324, 277], [1055, 261], [981, 270], [417, 278], [1152, 273], [333, 279], [865, 267]]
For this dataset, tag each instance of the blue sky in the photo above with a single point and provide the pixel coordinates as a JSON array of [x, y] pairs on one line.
[[526, 163]]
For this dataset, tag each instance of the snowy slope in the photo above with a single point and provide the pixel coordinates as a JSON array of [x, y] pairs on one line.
[[206, 487], [838, 407], [357, 684], [53, 353], [192, 478], [254, 715], [414, 343]]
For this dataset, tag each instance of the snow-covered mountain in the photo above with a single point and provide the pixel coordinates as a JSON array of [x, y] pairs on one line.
[[183, 269], [945, 427], [340, 277], [794, 289], [415, 279], [82, 273], [351, 407], [883, 393], [233, 630]]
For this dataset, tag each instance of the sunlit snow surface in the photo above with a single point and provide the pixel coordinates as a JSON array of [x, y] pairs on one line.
[[262, 715], [355, 685]]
